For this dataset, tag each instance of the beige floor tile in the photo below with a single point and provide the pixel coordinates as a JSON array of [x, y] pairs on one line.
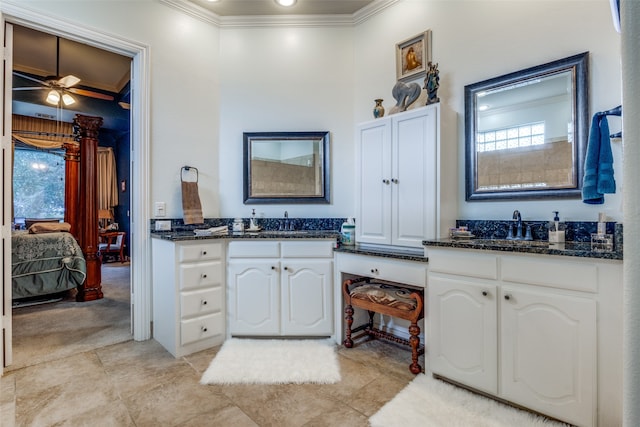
[[174, 403], [375, 394], [8, 400], [278, 405], [230, 416], [200, 361]]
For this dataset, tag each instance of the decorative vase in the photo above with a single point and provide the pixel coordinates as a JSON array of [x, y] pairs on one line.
[[378, 110]]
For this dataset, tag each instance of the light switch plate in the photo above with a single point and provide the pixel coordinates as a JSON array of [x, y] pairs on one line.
[[163, 225], [160, 209]]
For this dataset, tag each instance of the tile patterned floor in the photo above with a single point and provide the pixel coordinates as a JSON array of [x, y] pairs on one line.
[[140, 384]]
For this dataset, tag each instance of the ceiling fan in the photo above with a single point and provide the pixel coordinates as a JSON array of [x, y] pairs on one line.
[[60, 88]]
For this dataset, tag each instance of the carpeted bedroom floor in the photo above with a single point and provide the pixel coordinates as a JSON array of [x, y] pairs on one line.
[[52, 331]]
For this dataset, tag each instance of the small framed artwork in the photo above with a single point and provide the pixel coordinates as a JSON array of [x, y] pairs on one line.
[[412, 57]]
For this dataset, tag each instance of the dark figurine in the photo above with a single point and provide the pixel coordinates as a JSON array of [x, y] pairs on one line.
[[432, 83]]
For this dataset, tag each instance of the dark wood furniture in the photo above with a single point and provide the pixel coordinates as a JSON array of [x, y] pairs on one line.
[[111, 243], [388, 299]]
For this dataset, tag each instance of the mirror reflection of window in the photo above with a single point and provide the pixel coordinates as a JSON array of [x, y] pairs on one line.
[[526, 132]]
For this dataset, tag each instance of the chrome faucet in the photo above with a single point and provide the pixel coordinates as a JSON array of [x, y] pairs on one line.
[[518, 219]]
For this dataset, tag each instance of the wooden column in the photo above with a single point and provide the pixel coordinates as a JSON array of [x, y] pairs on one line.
[[87, 128], [72, 187]]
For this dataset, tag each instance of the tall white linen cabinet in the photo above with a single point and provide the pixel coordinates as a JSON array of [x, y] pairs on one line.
[[398, 173]]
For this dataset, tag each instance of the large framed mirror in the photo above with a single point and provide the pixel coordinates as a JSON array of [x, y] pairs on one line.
[[526, 132], [286, 167]]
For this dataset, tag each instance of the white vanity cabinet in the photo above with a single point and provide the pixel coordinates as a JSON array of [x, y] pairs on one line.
[[540, 331], [188, 295], [280, 288], [397, 168]]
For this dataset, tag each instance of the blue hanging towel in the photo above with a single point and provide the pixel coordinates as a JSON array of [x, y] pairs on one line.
[[598, 165]]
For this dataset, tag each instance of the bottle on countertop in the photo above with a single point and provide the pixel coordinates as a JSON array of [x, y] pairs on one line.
[[348, 232], [556, 229]]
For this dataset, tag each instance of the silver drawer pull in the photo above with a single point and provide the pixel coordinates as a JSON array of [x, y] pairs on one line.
[[273, 267], [204, 302], [204, 329], [374, 270], [204, 252], [507, 297], [204, 276], [286, 269], [485, 293]]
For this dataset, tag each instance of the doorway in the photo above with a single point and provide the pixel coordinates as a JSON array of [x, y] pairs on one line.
[[138, 220]]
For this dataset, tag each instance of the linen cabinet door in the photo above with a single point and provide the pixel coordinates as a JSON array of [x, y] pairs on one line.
[[307, 297], [414, 177], [373, 171], [463, 329], [254, 299], [549, 352]]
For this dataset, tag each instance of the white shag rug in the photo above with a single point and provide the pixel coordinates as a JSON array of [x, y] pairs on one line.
[[274, 361], [439, 404]]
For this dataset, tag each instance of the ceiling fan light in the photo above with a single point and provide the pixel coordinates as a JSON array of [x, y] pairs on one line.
[[68, 99], [53, 97], [286, 3]]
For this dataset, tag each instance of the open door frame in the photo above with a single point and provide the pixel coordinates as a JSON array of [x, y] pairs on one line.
[[140, 135]]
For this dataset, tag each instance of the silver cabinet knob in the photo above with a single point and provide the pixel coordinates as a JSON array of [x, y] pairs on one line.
[[507, 297], [374, 270], [385, 181], [394, 180], [204, 302], [204, 329], [485, 293]]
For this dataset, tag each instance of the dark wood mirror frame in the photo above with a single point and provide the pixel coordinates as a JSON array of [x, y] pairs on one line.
[[308, 185], [577, 66]]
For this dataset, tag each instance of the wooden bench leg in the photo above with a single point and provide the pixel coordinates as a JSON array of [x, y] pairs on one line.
[[348, 342], [414, 331]]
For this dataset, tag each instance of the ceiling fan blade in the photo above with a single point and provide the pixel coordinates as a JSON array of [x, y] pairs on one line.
[[91, 94], [30, 88], [33, 79], [68, 81]]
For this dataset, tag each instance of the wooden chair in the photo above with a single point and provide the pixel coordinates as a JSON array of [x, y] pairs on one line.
[[392, 300], [112, 242]]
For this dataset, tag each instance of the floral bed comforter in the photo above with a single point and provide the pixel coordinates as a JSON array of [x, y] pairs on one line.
[[45, 263]]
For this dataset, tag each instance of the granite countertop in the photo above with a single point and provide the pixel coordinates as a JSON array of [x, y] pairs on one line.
[[385, 253], [575, 249], [177, 236]]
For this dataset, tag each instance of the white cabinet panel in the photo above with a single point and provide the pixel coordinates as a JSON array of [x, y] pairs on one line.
[[463, 331], [549, 352], [254, 297], [307, 297]]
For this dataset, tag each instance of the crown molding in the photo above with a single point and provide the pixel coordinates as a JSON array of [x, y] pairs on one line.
[[198, 12]]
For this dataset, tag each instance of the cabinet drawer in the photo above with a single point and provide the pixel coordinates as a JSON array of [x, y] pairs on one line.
[[408, 272], [204, 274], [551, 272], [201, 328], [307, 249], [463, 263], [197, 252], [269, 249], [197, 303]]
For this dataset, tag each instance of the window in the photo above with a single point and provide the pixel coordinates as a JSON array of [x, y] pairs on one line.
[[38, 183], [513, 137]]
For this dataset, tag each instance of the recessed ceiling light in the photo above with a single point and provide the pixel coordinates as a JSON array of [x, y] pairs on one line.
[[286, 3]]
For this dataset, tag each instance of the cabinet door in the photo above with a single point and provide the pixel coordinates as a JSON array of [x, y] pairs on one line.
[[414, 177], [254, 297], [549, 352], [462, 322], [373, 171], [307, 297]]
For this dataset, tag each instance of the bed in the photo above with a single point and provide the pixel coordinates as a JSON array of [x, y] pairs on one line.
[[46, 263]]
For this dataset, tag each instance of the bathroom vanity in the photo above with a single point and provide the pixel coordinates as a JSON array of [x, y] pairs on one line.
[[538, 330]]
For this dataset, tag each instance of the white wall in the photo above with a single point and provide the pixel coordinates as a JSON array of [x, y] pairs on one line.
[[286, 79], [475, 40]]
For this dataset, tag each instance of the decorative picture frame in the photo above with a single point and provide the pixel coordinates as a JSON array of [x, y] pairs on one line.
[[412, 57]]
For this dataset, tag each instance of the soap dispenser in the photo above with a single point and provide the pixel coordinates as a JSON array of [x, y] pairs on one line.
[[556, 229]]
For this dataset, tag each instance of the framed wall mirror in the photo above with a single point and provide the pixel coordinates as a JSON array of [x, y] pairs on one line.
[[286, 167], [526, 132]]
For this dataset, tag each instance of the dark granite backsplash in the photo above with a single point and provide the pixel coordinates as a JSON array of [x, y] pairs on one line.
[[576, 231], [324, 224]]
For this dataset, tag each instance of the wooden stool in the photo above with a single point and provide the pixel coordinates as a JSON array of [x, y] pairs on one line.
[[392, 300]]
